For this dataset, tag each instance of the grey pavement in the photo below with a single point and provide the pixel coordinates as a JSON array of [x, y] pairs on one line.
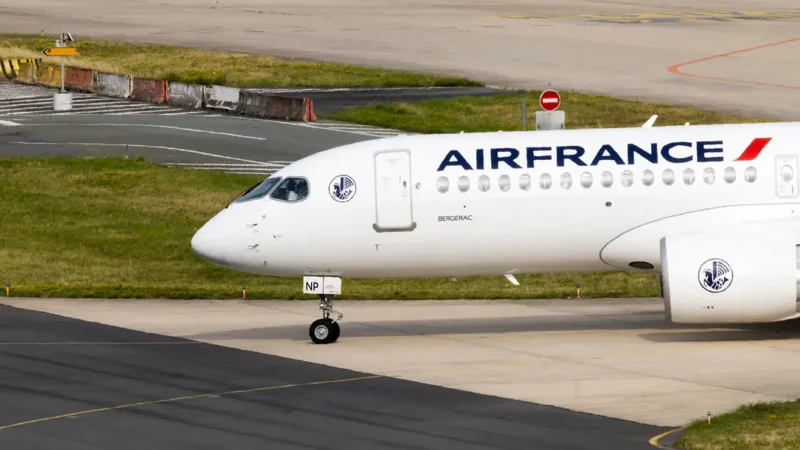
[[715, 54], [204, 141], [616, 358], [71, 384]]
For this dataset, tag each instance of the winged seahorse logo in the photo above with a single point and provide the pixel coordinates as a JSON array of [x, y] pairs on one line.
[[715, 275], [342, 188]]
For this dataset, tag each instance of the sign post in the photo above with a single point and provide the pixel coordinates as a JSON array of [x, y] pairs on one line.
[[550, 119], [62, 100]]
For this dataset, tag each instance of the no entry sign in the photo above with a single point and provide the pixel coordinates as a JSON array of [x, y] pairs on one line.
[[549, 100]]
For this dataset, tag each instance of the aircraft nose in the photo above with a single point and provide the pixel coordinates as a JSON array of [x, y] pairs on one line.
[[209, 244]]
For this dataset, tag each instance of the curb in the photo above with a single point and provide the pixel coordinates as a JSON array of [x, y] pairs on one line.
[[191, 96], [664, 440]]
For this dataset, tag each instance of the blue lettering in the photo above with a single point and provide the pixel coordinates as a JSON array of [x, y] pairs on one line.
[[635, 149], [458, 160], [702, 150], [665, 152], [607, 152], [707, 151], [509, 159], [575, 157], [531, 157]]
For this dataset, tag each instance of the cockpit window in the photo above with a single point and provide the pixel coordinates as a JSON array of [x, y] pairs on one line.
[[259, 190], [291, 190]]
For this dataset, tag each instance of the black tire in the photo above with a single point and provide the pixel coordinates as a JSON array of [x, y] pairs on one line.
[[323, 331], [335, 332]]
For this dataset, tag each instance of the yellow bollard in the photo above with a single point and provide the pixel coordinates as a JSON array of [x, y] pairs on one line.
[[578, 288], [244, 291], [709, 417], [8, 289]]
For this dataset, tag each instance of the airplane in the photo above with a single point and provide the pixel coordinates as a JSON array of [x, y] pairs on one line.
[[711, 209]]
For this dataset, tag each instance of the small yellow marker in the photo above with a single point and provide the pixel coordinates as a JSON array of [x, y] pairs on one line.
[[709, 417], [244, 291], [578, 288], [8, 289]]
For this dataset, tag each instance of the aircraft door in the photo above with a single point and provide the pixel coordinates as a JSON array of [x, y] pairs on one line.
[[786, 177], [393, 198]]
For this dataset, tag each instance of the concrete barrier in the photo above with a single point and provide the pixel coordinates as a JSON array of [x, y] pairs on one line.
[[27, 73], [149, 90], [11, 68], [7, 69], [259, 104], [79, 79], [112, 84], [49, 76], [186, 95], [222, 97]]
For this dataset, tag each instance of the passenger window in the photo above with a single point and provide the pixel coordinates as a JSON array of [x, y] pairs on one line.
[[291, 190], [627, 178], [750, 174], [708, 175], [504, 183], [545, 181], [483, 183], [443, 184], [259, 190], [606, 179], [525, 182], [463, 183]]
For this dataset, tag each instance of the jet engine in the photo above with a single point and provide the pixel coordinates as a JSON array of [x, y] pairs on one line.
[[710, 278]]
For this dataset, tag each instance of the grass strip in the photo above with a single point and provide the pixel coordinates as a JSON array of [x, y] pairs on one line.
[[117, 228], [504, 112], [762, 426], [198, 66]]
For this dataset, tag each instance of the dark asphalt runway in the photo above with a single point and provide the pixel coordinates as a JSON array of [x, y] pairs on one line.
[[53, 366], [232, 137]]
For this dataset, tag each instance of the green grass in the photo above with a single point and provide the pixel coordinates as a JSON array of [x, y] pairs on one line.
[[198, 66], [762, 426], [117, 228], [504, 112]]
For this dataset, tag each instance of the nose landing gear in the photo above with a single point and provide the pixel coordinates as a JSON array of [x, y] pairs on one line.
[[325, 330]]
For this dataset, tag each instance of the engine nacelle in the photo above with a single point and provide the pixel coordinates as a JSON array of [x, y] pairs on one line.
[[709, 278]]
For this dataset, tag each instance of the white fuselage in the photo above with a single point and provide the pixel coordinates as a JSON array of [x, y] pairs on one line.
[[620, 201]]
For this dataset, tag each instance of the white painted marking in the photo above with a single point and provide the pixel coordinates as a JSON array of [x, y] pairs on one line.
[[7, 123], [236, 172], [160, 147], [168, 127], [184, 113], [97, 109], [324, 126]]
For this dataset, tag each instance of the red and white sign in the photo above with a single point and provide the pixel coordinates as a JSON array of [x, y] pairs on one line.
[[549, 100]]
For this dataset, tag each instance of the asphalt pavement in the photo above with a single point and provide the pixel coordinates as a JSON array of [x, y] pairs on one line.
[[70, 384], [234, 144]]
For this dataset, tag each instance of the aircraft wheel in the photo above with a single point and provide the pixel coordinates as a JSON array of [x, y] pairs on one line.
[[324, 331]]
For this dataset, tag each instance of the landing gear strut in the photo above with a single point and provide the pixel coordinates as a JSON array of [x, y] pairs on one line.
[[326, 330]]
